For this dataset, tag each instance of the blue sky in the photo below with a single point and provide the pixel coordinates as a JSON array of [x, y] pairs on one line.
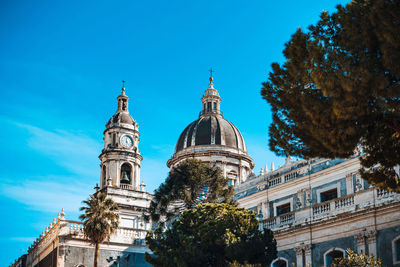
[[61, 66]]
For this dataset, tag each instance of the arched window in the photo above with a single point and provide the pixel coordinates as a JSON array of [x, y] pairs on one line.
[[126, 173], [396, 250], [280, 262], [332, 254]]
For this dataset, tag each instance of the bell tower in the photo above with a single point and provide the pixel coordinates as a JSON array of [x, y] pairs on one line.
[[120, 157]]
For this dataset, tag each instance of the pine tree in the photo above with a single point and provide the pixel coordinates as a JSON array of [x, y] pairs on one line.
[[339, 90]]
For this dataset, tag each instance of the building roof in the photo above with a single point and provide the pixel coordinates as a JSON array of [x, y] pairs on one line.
[[211, 129]]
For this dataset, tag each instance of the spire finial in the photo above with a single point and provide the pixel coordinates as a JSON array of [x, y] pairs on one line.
[[211, 74], [123, 85]]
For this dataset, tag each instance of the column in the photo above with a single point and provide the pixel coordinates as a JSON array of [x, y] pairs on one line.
[[371, 235], [308, 250], [240, 178], [360, 238], [299, 256], [137, 176], [114, 172]]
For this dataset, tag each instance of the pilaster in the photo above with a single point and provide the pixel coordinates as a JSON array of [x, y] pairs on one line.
[[360, 239], [349, 184], [307, 252], [299, 256], [371, 235], [303, 255]]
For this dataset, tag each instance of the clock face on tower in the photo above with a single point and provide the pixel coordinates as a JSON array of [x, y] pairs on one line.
[[126, 141]]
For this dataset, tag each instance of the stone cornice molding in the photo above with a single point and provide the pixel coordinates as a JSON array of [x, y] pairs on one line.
[[209, 153]]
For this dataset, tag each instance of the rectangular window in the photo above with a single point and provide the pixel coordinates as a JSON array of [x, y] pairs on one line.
[[282, 209], [329, 195], [214, 106], [208, 106]]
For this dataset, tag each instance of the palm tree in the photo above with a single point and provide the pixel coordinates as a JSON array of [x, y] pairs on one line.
[[100, 220]]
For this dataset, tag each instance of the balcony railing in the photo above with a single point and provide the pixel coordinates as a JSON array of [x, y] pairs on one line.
[[383, 193], [126, 186], [280, 220], [323, 211], [122, 234]]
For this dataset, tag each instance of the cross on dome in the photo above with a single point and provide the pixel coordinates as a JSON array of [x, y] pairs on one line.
[[123, 85]]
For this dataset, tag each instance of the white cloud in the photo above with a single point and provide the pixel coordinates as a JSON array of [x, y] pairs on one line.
[[46, 195], [74, 151], [49, 192]]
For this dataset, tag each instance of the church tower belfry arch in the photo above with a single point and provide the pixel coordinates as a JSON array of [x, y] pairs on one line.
[[120, 157]]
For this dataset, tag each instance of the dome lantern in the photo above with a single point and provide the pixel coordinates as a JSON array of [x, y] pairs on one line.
[[211, 99], [123, 100]]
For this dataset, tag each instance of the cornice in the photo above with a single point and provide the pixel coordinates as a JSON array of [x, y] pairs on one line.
[[212, 152]]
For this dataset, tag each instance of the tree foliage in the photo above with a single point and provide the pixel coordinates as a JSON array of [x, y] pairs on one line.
[[190, 183], [212, 234], [339, 89], [100, 220], [356, 260]]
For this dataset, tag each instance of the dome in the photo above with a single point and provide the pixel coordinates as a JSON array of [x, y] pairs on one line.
[[121, 117], [214, 140], [211, 130]]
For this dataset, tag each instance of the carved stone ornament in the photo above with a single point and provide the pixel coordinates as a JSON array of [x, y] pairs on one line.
[[371, 236], [299, 250], [360, 238]]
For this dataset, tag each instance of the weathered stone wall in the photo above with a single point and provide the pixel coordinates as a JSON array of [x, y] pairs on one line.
[[49, 261], [384, 245], [320, 248], [78, 255], [289, 255]]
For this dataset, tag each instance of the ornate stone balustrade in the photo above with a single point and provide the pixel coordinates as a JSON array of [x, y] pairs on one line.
[[383, 193], [72, 225], [281, 220], [344, 202], [122, 235], [323, 211], [126, 186], [287, 218]]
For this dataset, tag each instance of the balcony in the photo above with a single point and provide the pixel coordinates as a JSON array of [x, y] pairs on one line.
[[323, 211]]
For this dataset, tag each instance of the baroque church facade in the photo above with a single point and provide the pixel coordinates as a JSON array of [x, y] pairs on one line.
[[316, 208]]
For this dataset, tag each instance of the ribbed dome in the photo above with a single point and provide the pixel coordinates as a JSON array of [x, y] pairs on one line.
[[211, 130]]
